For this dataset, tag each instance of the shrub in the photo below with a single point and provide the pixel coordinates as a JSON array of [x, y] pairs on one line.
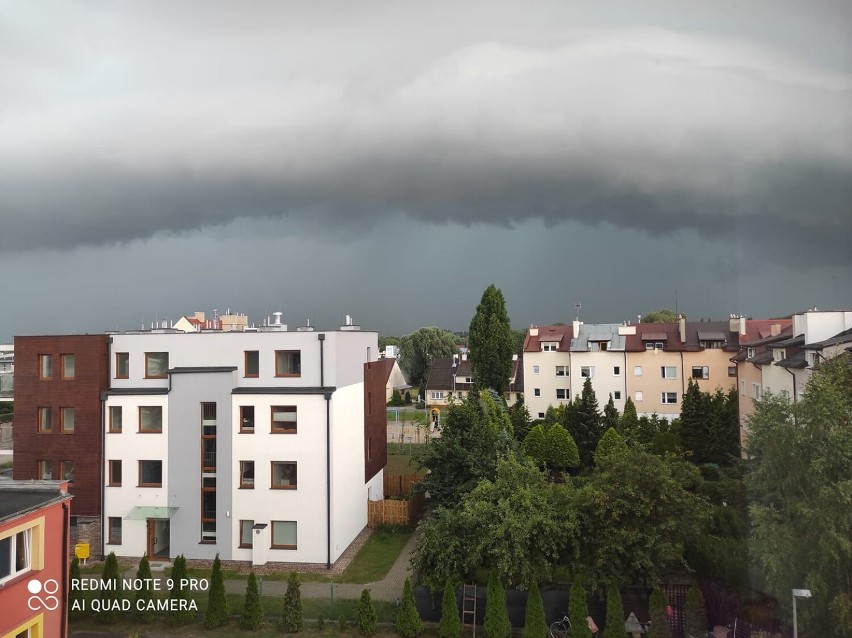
[[396, 399], [111, 612], [657, 605], [407, 618], [614, 614], [320, 621], [342, 622], [291, 615], [560, 449], [143, 594], [450, 625], [252, 609], [496, 613], [217, 605], [578, 609], [178, 592], [365, 616], [535, 626], [76, 601], [695, 618]]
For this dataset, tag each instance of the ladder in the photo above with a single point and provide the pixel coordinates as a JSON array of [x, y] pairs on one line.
[[469, 607]]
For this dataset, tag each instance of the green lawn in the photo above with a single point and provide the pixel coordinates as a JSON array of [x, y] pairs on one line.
[[405, 414]]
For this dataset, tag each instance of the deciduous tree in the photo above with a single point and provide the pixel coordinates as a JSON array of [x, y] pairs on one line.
[[419, 349]]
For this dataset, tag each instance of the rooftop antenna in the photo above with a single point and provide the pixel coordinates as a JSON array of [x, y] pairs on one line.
[[578, 306], [676, 314]]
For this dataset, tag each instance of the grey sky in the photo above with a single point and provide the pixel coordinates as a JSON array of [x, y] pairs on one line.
[[391, 159]]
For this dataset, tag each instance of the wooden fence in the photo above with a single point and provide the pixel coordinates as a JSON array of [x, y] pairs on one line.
[[388, 512], [400, 484]]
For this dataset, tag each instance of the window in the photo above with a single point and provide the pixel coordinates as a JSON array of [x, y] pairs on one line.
[[537, 392], [598, 346], [150, 418], [114, 530], [587, 372], [732, 371], [156, 365], [283, 535], [562, 371], [616, 396], [247, 418], [639, 396], [115, 473], [548, 347], [66, 420], [283, 475], [66, 470], [284, 419], [541, 415], [208, 531], [288, 363], [712, 345], [208, 505], [637, 371], [536, 369], [245, 533], [669, 398], [45, 420], [468, 379], [778, 354], [750, 352], [45, 366], [247, 475], [122, 365], [45, 470], [436, 395], [150, 473], [755, 391], [700, 372], [562, 393], [616, 371], [208, 419], [16, 554], [208, 453], [115, 418], [67, 366], [668, 372], [252, 363]]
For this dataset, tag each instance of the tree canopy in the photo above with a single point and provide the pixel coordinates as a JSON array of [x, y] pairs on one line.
[[664, 315], [800, 485], [491, 342], [419, 349]]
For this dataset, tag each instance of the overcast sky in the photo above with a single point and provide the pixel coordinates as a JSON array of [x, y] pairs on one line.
[[389, 160]]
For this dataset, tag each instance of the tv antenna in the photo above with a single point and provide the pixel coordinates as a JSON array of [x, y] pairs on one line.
[[578, 306]]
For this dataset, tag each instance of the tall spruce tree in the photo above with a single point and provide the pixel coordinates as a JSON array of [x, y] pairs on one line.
[[535, 625], [110, 596], [695, 424], [578, 609], [491, 342], [141, 609], [587, 430], [629, 422], [450, 625], [519, 415], [497, 623], [614, 613], [611, 418], [217, 613]]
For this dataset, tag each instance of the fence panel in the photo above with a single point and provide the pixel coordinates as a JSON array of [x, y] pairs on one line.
[[400, 484]]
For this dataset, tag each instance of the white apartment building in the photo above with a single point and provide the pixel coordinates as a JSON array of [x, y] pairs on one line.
[[246, 444]]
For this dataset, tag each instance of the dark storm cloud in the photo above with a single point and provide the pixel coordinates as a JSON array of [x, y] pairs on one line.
[[340, 121]]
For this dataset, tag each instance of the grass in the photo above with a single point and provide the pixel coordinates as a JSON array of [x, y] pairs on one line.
[[405, 414]]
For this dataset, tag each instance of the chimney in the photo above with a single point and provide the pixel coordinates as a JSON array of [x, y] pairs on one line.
[[576, 326], [742, 326], [464, 356], [775, 329], [533, 330], [681, 327]]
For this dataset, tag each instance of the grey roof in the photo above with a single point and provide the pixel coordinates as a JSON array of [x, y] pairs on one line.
[[711, 335], [654, 336], [795, 361], [793, 341], [598, 332], [842, 337], [22, 497], [283, 390]]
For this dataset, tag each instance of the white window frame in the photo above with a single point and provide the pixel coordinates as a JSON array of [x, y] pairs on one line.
[[436, 395], [536, 369], [616, 371], [665, 396], [563, 371], [587, 372], [616, 395], [637, 371], [566, 394], [27, 542], [638, 396], [705, 372], [664, 372], [756, 391], [549, 347], [537, 392]]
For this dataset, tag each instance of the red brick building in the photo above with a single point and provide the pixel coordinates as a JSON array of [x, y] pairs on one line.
[[58, 433], [34, 545]]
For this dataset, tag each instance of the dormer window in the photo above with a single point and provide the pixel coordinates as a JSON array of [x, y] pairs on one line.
[[778, 354], [549, 347], [598, 346], [750, 353]]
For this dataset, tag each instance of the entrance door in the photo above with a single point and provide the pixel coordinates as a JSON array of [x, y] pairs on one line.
[[151, 538]]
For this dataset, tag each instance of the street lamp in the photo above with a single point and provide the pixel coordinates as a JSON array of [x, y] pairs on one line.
[[798, 593]]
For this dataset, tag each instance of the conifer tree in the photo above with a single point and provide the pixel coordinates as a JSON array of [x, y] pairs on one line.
[[365, 615], [408, 622], [110, 595], [535, 625], [252, 615], [629, 422], [614, 614], [587, 430], [610, 443], [496, 613], [657, 607], [450, 625], [217, 613], [534, 445], [611, 418], [76, 601], [560, 449], [291, 615], [695, 618], [491, 342], [143, 594], [578, 609], [182, 614]]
